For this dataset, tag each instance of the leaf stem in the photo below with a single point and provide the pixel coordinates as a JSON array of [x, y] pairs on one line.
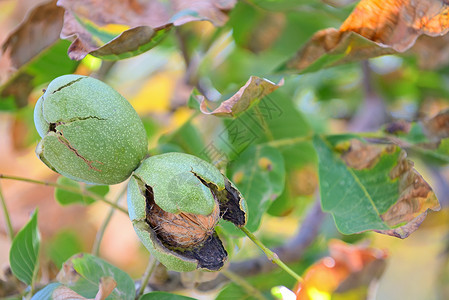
[[270, 254], [104, 225], [146, 276], [9, 228], [244, 284], [66, 188]]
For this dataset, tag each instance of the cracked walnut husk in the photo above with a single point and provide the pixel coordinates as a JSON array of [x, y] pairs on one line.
[[175, 201], [89, 132]]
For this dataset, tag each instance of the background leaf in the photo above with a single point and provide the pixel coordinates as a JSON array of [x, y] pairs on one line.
[[30, 58], [187, 138], [349, 270], [234, 291], [330, 47], [428, 139], [259, 174], [163, 296], [82, 274], [66, 198], [63, 245], [23, 256], [270, 121]]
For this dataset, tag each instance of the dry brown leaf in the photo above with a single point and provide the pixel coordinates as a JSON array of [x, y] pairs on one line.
[[255, 89], [398, 23], [432, 52], [347, 268], [390, 25], [361, 156], [68, 274], [416, 195], [437, 128], [107, 285], [63, 293], [38, 31], [20, 88], [125, 27], [265, 32], [343, 47]]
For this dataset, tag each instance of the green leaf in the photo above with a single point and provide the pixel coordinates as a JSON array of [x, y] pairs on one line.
[[234, 291], [271, 121], [23, 256], [345, 194], [62, 246], [8, 104], [163, 296], [65, 197], [443, 151], [46, 292], [416, 134], [187, 137], [193, 101], [82, 274], [259, 174], [370, 187], [283, 203]]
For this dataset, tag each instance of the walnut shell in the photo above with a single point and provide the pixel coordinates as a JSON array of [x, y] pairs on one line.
[[175, 201], [89, 132]]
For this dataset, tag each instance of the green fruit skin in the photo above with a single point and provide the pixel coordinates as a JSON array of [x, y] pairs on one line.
[[176, 188], [90, 133]]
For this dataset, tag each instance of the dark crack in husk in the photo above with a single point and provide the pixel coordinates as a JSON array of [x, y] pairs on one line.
[[230, 201]]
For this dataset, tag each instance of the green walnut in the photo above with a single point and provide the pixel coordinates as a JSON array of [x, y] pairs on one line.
[[89, 132], [175, 200]]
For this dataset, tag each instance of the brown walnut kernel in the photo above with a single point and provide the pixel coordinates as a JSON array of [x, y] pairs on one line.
[[183, 230]]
